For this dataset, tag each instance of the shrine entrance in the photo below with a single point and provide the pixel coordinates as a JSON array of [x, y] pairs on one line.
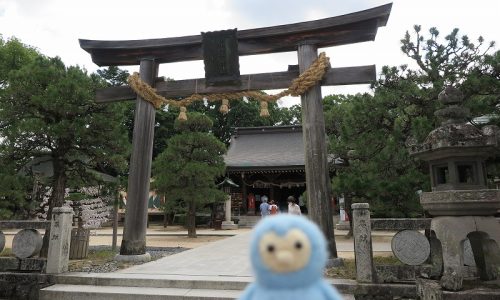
[[220, 52]]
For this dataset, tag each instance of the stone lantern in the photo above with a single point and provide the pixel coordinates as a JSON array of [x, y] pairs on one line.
[[460, 203], [226, 188]]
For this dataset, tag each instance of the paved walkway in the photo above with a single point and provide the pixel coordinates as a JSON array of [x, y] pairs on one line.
[[226, 257]]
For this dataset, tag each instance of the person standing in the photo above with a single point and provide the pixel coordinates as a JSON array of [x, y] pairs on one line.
[[264, 207], [293, 208], [251, 203], [273, 208]]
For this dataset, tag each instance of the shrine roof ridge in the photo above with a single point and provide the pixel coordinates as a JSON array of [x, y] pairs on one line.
[[267, 129], [334, 31]]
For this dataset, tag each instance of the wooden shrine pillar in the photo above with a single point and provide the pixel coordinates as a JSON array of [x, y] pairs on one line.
[[136, 215], [316, 162], [244, 194]]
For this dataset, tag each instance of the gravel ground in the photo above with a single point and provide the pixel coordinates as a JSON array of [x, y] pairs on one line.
[[100, 259]]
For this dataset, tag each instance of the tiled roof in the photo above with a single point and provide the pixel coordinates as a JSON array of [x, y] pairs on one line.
[[277, 147]]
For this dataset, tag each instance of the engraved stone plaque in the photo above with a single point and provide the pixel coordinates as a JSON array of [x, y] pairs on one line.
[[26, 243], [220, 55], [411, 247]]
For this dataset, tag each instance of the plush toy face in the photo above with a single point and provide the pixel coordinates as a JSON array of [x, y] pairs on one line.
[[285, 254], [287, 251]]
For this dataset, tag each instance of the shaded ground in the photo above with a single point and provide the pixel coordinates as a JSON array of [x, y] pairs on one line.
[[348, 271], [101, 259]]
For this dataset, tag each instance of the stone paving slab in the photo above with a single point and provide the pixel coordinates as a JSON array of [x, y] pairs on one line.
[[227, 257]]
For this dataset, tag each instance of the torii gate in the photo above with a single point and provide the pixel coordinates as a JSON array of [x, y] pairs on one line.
[[305, 38]]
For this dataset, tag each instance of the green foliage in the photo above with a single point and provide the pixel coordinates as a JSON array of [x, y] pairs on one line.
[[368, 136], [186, 171], [113, 76], [47, 108], [372, 132], [14, 202], [13, 56], [245, 114]]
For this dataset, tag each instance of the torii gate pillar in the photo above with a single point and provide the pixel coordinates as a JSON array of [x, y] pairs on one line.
[[316, 161], [136, 214]]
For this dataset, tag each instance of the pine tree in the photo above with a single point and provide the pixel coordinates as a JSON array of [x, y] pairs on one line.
[[186, 171], [372, 132], [47, 108]]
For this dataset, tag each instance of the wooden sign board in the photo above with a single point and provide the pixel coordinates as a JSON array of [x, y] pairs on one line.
[[220, 55]]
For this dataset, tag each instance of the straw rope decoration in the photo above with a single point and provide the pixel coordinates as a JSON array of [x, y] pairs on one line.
[[299, 86]]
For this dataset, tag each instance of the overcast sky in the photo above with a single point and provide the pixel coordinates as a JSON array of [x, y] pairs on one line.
[[54, 27]]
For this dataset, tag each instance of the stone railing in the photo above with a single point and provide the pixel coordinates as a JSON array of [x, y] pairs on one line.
[[27, 243], [401, 224], [409, 245]]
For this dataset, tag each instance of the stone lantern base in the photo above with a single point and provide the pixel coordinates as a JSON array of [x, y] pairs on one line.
[[229, 225], [484, 235], [484, 202]]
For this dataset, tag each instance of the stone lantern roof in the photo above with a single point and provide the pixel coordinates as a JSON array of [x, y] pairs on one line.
[[456, 152], [456, 135]]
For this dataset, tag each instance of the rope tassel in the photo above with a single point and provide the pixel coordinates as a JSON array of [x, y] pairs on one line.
[[264, 112], [182, 114], [224, 108]]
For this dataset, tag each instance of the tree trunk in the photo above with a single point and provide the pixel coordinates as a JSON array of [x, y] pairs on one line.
[[116, 205], [191, 219], [348, 211], [56, 198]]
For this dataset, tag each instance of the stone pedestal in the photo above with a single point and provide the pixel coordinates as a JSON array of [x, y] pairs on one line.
[[228, 224], [139, 258], [60, 234], [365, 271], [484, 235]]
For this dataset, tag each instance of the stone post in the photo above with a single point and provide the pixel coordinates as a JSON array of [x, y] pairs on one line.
[[363, 252], [60, 235], [228, 224], [228, 208]]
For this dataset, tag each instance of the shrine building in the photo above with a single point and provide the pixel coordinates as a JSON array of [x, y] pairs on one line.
[[266, 161]]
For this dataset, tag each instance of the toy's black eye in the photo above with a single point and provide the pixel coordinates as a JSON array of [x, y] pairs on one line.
[[298, 245], [270, 248]]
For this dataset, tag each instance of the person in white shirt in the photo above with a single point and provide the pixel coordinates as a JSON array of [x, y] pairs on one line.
[[293, 208]]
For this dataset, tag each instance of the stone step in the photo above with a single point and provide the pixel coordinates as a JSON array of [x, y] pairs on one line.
[[248, 221], [83, 292], [155, 281], [165, 283]]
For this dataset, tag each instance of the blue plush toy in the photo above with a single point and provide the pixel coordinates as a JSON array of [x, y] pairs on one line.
[[288, 255]]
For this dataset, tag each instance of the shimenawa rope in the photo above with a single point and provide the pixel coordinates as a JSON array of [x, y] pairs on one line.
[[299, 86]]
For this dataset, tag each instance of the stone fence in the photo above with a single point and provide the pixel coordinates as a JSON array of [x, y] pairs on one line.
[[401, 224], [27, 244], [409, 245]]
